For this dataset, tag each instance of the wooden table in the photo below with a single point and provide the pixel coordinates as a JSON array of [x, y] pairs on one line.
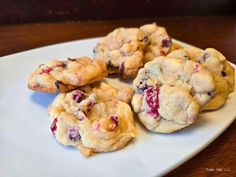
[[217, 32]]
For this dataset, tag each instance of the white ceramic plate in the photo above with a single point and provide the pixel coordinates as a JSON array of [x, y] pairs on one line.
[[28, 148]]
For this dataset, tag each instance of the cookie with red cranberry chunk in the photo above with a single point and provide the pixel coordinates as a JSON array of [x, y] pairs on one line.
[[63, 76], [170, 92], [217, 65], [122, 51], [91, 121], [212, 60], [160, 42], [215, 62]]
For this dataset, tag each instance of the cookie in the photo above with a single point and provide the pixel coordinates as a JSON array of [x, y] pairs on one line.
[[122, 51], [175, 46], [220, 69], [63, 76], [123, 93], [212, 60], [160, 42], [221, 94], [92, 120], [170, 92]]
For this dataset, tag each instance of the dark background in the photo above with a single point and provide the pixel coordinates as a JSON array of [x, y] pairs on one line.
[[25, 11]]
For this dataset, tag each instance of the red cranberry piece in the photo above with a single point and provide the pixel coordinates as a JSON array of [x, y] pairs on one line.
[[78, 96], [115, 120], [166, 42], [74, 134], [152, 100], [197, 68], [54, 125], [114, 124], [46, 70], [89, 106]]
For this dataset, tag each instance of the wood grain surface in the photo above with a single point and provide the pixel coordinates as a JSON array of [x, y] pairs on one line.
[[219, 158]]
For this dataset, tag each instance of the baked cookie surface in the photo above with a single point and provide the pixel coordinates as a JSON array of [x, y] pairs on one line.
[[170, 92], [211, 59], [92, 120], [215, 63], [62, 76], [122, 51], [108, 90], [159, 44]]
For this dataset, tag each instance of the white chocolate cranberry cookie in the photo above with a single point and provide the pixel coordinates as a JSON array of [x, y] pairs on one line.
[[220, 69], [159, 41], [122, 51], [170, 92], [92, 120], [61, 76], [212, 60]]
